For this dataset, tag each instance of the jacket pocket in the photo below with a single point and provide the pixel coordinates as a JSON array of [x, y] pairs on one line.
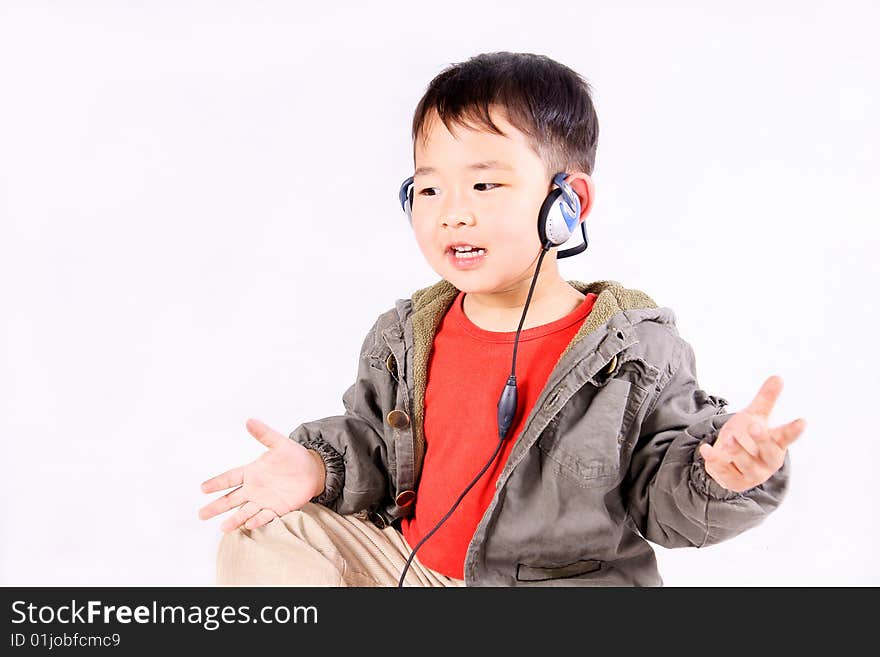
[[583, 441], [527, 573]]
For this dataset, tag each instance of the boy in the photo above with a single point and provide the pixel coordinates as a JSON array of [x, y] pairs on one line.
[[507, 427]]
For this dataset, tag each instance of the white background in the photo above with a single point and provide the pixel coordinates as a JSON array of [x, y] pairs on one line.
[[199, 223]]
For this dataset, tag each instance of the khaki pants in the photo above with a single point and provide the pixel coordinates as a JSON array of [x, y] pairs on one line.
[[315, 546]]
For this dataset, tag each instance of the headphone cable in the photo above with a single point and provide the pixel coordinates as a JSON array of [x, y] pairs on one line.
[[448, 513], [506, 411]]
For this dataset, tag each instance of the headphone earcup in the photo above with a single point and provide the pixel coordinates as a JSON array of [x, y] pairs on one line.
[[553, 225], [405, 195]]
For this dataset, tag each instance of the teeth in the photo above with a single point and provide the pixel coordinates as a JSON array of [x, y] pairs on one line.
[[463, 248], [470, 254]]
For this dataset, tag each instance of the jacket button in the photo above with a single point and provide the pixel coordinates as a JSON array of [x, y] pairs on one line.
[[398, 419], [405, 498], [377, 520], [612, 365], [391, 364]]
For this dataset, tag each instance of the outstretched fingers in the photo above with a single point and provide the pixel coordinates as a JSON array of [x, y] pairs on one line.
[[237, 519], [221, 504], [766, 398], [786, 434], [263, 517], [226, 480], [264, 433]]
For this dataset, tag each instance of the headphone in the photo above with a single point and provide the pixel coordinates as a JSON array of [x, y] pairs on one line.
[[557, 221]]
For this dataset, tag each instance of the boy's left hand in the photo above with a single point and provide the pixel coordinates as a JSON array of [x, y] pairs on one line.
[[747, 452]]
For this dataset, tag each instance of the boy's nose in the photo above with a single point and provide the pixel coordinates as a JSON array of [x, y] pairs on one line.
[[455, 209], [457, 220]]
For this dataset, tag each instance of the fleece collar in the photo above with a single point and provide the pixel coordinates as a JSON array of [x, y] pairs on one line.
[[430, 304]]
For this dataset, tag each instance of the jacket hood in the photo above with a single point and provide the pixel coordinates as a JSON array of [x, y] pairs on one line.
[[430, 304]]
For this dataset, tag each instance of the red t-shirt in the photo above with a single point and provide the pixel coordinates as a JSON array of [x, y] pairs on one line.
[[467, 371]]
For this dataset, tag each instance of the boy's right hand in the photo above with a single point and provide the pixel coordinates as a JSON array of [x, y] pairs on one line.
[[281, 480]]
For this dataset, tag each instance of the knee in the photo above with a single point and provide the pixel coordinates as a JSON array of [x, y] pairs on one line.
[[233, 554], [278, 552]]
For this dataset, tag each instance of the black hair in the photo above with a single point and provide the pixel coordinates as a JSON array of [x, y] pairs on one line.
[[547, 101]]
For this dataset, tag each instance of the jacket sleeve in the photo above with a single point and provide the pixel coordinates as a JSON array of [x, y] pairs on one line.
[[352, 444], [671, 498]]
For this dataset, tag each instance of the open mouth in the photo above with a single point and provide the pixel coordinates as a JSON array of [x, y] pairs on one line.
[[466, 252], [466, 256]]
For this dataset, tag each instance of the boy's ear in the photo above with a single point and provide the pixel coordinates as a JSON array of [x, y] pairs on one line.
[[585, 188]]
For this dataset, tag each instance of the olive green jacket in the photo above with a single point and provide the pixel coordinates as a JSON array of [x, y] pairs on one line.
[[606, 461]]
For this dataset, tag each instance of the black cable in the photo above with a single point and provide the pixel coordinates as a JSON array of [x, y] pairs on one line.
[[506, 411], [528, 299], [507, 404], [448, 513]]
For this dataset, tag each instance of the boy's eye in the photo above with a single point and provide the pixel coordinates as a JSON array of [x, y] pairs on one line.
[[430, 189]]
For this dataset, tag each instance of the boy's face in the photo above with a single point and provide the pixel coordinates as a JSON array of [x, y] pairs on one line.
[[493, 207]]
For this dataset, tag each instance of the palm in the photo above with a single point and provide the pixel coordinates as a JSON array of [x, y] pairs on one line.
[[278, 479], [281, 480], [747, 451]]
